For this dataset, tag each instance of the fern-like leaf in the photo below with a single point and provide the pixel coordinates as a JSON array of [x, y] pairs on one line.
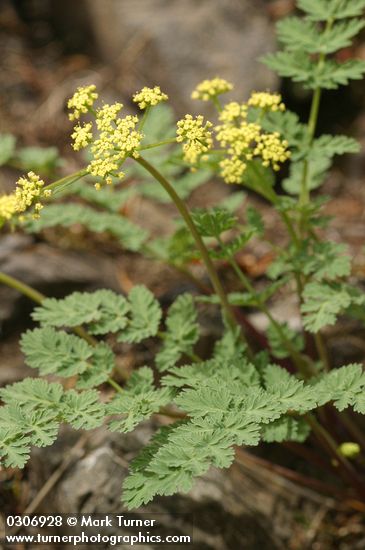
[[83, 410], [181, 334], [146, 316]]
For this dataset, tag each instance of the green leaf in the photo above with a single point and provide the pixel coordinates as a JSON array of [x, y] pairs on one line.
[[104, 311], [7, 147], [278, 347], [107, 197], [181, 334], [234, 372], [287, 124], [41, 425], [55, 352], [14, 449], [303, 35], [83, 410], [39, 159], [128, 234], [146, 316], [316, 173], [345, 386], [101, 365], [322, 10], [329, 146], [329, 74], [255, 220], [33, 393], [213, 222], [286, 428], [328, 261], [231, 248], [260, 179], [332, 74], [136, 404], [322, 304], [229, 346], [322, 260]]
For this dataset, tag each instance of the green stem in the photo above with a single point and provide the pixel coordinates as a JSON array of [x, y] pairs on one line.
[[312, 124], [24, 289], [158, 144], [67, 180], [184, 212], [144, 118], [217, 104], [322, 351]]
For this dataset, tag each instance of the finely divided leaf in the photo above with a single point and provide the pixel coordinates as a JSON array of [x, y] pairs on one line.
[[181, 334], [322, 10], [14, 449], [213, 222], [286, 428], [55, 352], [130, 236], [82, 410], [146, 316], [33, 393], [322, 304]]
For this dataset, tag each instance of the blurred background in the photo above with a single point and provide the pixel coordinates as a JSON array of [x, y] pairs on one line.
[[47, 49]]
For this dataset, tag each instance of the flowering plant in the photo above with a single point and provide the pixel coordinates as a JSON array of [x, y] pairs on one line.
[[264, 388]]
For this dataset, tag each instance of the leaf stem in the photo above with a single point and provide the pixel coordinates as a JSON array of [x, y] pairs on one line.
[[185, 214], [157, 144]]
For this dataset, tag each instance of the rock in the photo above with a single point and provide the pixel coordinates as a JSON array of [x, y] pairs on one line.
[[178, 43], [51, 271], [225, 516]]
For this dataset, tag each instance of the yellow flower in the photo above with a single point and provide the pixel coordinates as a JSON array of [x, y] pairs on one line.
[[8, 204], [232, 112], [118, 139], [232, 169], [209, 89], [82, 100], [28, 191], [272, 150], [243, 141], [196, 137], [149, 97], [267, 101], [82, 136]]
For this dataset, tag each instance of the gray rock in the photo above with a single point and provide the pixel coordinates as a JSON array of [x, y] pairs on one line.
[[177, 43]]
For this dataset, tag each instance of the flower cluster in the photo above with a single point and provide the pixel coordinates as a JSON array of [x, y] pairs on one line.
[[267, 101], [272, 150], [196, 137], [29, 192], [233, 112], [82, 136], [8, 208], [118, 139], [82, 100], [148, 97], [244, 140], [209, 89]]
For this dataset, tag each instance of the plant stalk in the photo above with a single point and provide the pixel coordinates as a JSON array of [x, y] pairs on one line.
[[184, 212]]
